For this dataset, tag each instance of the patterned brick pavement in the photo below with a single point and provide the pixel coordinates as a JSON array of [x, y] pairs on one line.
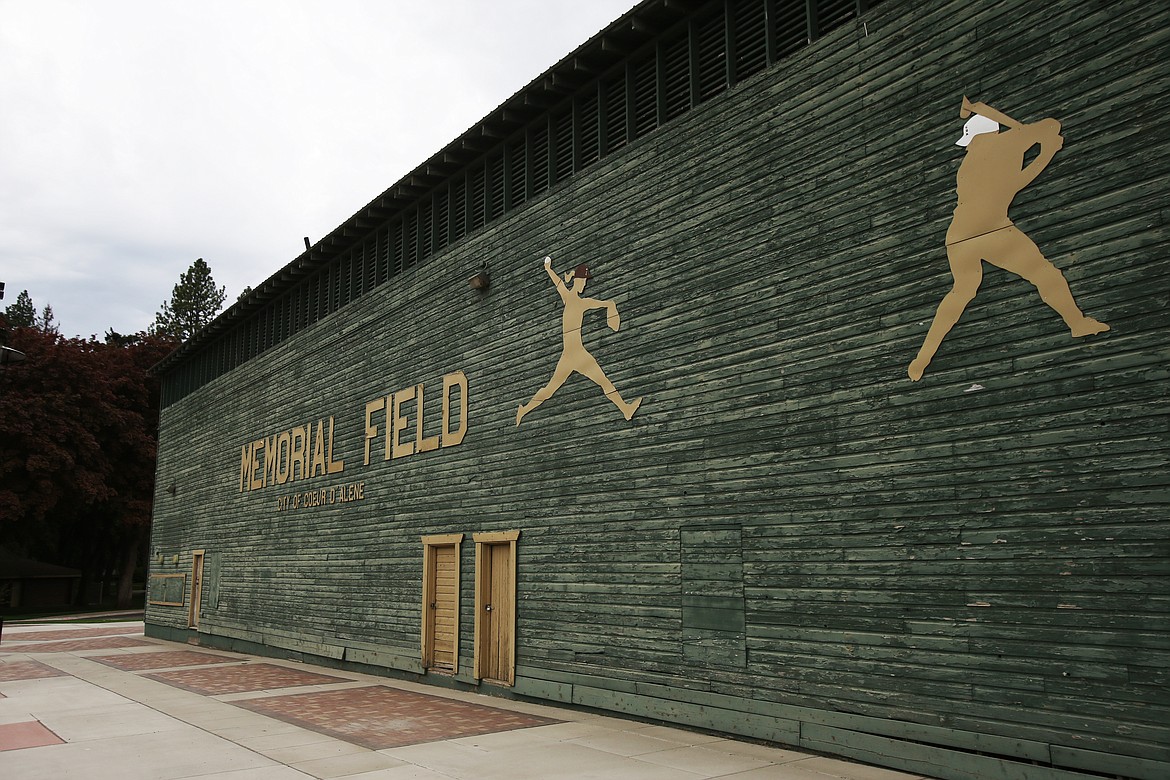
[[136, 662], [241, 678], [27, 670], [71, 633], [378, 717], [69, 646]]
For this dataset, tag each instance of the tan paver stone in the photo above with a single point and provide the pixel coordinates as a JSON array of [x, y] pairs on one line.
[[328, 748], [347, 765], [59, 694], [563, 760], [844, 769], [118, 720], [165, 756], [626, 743], [403, 772], [278, 772], [703, 760], [265, 742], [671, 734], [799, 770]]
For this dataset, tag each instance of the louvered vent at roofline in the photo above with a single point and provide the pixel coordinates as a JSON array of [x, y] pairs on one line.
[[562, 129], [751, 48], [675, 78], [587, 129], [616, 128], [645, 94]]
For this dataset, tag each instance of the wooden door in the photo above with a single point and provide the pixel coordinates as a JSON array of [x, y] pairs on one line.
[[440, 613], [196, 600], [495, 608], [441, 642]]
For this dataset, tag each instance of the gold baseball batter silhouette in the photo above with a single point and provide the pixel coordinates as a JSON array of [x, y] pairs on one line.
[[989, 178], [574, 356]]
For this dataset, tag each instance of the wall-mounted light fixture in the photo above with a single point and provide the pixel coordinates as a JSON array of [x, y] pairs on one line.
[[481, 281], [173, 489]]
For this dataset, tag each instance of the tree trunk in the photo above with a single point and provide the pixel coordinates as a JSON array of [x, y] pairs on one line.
[[127, 569]]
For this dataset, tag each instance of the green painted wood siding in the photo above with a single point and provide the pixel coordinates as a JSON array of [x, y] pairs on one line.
[[964, 577]]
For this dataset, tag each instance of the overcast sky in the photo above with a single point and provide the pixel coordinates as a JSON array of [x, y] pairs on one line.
[[139, 135]]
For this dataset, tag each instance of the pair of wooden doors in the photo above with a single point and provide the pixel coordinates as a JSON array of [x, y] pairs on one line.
[[495, 605]]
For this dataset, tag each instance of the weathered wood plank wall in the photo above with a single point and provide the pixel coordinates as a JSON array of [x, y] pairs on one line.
[[790, 540]]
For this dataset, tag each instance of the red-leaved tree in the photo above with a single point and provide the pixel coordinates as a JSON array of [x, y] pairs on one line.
[[78, 436]]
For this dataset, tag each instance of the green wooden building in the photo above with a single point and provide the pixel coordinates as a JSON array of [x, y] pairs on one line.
[[730, 458]]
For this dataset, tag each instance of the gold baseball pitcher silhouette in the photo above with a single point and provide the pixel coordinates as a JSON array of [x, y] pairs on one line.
[[989, 178], [574, 356]]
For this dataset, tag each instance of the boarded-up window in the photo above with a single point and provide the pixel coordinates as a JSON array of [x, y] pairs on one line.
[[167, 590], [711, 572]]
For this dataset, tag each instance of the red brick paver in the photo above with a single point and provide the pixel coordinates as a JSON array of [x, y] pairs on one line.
[[241, 678], [70, 633], [14, 736], [27, 670], [378, 717], [135, 662], [69, 646]]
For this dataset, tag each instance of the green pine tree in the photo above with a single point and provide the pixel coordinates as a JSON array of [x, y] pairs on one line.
[[47, 322], [21, 313], [194, 303]]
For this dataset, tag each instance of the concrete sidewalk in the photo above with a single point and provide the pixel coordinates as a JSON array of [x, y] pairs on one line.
[[102, 701]]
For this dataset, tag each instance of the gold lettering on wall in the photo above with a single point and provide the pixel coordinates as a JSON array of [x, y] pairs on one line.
[[423, 443], [299, 459], [283, 457], [270, 460], [332, 466], [401, 423], [257, 448], [245, 467], [377, 405], [288, 456], [335, 494], [318, 464], [451, 438], [310, 450]]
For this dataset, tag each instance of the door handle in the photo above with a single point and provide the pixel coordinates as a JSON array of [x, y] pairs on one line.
[[488, 608]]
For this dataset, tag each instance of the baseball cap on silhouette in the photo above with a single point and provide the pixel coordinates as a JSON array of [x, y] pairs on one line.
[[582, 272], [977, 125]]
